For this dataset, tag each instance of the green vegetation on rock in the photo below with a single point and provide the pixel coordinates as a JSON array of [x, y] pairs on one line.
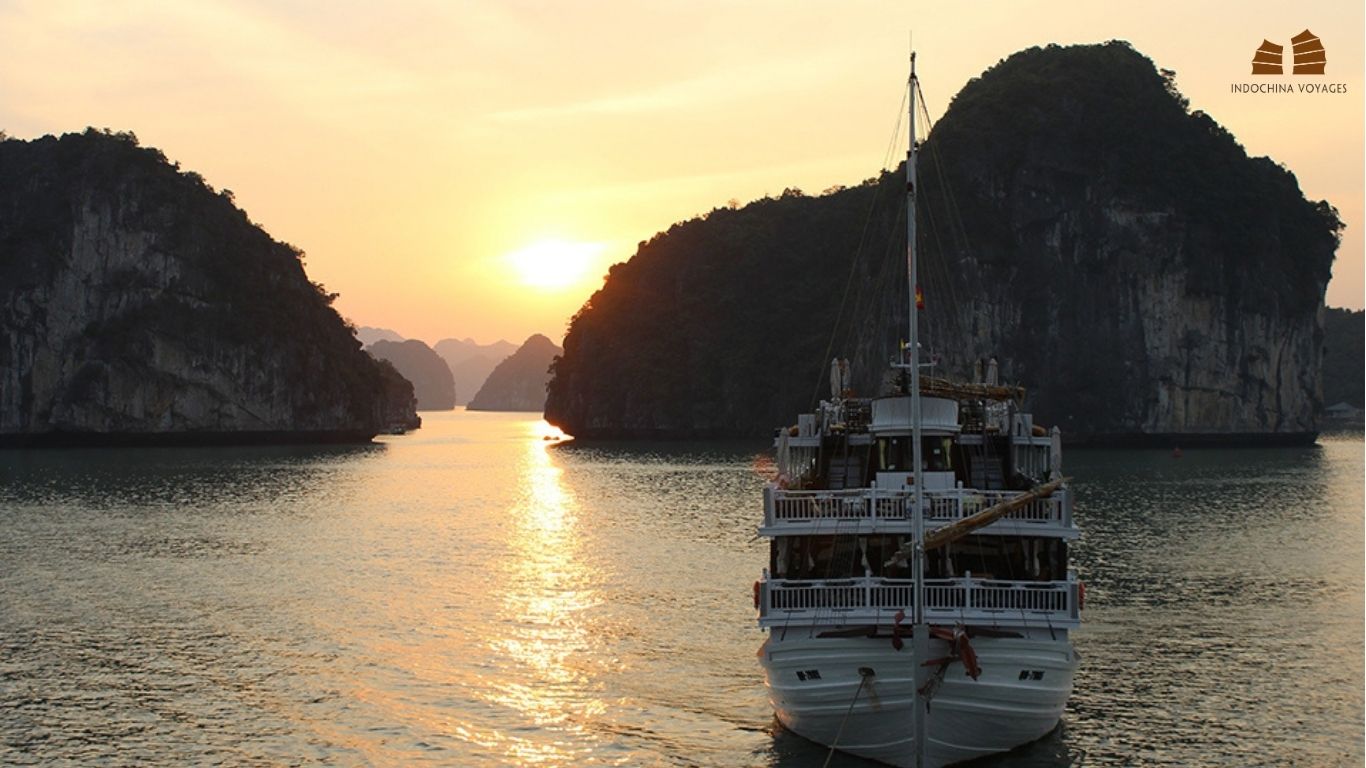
[[1119, 254], [137, 303]]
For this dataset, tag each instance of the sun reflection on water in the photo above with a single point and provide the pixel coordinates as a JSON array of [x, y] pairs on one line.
[[547, 588]]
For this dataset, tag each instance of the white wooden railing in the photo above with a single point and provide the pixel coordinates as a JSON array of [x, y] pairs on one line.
[[958, 503], [834, 602], [787, 507]]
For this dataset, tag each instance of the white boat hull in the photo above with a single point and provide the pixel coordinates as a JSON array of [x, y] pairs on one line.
[[1018, 698]]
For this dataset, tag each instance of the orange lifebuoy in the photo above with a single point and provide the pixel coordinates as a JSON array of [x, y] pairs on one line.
[[1081, 595], [756, 595]]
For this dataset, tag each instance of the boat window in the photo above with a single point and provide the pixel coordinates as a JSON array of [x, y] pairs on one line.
[[892, 454], [804, 558], [1008, 558], [937, 456], [835, 557]]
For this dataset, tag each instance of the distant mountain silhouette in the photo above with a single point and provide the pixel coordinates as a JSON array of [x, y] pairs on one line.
[[369, 335], [518, 383], [432, 381], [471, 362], [1343, 341]]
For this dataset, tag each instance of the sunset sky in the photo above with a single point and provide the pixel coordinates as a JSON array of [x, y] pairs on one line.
[[473, 168]]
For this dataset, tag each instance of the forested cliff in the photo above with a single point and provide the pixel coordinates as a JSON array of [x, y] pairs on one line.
[[138, 305], [1119, 254]]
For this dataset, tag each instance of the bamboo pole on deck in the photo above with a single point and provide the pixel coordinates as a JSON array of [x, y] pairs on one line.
[[961, 390], [954, 531]]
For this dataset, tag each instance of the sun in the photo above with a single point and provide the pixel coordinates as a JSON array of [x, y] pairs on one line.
[[553, 264]]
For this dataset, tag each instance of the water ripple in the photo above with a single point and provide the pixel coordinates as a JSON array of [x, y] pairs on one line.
[[475, 594]]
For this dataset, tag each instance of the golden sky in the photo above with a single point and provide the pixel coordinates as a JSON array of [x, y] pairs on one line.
[[431, 157]]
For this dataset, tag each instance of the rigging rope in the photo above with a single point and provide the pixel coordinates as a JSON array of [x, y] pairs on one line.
[[954, 214], [858, 252], [938, 276]]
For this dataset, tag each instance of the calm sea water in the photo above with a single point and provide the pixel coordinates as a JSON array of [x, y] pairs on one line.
[[475, 595]]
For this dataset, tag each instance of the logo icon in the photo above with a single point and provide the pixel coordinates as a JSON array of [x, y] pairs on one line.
[[1309, 54], [1267, 59], [1307, 50]]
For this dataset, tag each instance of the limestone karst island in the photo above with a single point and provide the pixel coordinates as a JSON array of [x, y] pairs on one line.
[[1120, 253], [494, 384], [141, 306], [1117, 250]]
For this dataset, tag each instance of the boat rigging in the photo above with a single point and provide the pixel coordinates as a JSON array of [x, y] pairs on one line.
[[920, 513]]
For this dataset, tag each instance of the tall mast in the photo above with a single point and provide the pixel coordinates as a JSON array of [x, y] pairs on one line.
[[919, 519], [920, 630]]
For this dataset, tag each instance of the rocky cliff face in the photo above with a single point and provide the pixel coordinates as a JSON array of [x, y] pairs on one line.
[[518, 383], [138, 305], [432, 382], [1120, 256], [1136, 270]]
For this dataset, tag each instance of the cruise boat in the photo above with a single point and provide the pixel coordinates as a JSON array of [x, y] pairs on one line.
[[918, 599]]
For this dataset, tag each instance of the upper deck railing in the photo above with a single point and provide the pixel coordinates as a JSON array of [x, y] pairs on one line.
[[793, 512], [874, 600]]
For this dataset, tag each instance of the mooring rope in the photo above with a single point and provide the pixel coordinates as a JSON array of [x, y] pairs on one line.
[[864, 673]]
